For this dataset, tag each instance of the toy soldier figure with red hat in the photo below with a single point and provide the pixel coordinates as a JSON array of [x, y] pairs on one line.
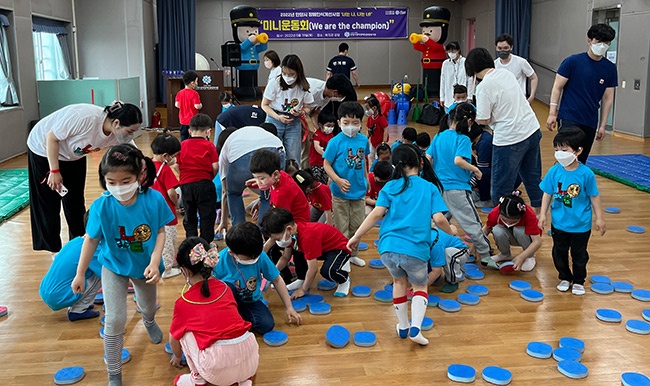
[[245, 31], [435, 23]]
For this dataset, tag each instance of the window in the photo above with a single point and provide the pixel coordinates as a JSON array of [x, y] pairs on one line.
[[51, 53], [8, 95]]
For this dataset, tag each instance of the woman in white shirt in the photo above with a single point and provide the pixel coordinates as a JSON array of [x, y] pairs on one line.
[[57, 149], [272, 62], [453, 73], [286, 100]]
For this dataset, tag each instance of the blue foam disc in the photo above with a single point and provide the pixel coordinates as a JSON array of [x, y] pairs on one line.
[[168, 348], [474, 274], [638, 326], [468, 266], [126, 355], [375, 243], [299, 305], [634, 379], [599, 279], [486, 210], [363, 246], [622, 286], [609, 316], [320, 308], [641, 294], [275, 338], [572, 369], [69, 375], [101, 332], [461, 373], [376, 263], [539, 350], [520, 285], [550, 232], [602, 288], [471, 259], [389, 288], [468, 299], [532, 295], [496, 375], [635, 229], [365, 338], [310, 299], [326, 285], [612, 210], [337, 336], [449, 305], [361, 291], [646, 314], [102, 320], [433, 301], [566, 354], [383, 296], [99, 298], [427, 324], [379, 222], [477, 289], [574, 343]]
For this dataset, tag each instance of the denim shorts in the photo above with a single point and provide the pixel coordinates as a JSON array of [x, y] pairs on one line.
[[400, 265]]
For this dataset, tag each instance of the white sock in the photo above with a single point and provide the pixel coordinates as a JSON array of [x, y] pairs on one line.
[[357, 261], [343, 289], [402, 311], [418, 308], [346, 266], [295, 285]]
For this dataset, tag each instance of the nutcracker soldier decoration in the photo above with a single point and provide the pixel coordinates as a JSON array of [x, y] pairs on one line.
[[245, 31], [435, 24]]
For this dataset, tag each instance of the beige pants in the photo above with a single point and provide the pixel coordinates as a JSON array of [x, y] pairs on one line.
[[348, 216]]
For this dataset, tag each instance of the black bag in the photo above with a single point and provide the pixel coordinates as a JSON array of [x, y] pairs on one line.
[[430, 115], [417, 93]]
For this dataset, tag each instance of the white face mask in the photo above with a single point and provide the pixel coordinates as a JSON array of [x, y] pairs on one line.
[[599, 49], [122, 136], [327, 129], [565, 158], [246, 262], [286, 240], [123, 192], [452, 55], [350, 131], [289, 79]]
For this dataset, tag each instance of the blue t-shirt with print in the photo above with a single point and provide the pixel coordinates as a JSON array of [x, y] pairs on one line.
[[347, 156], [445, 240], [128, 233], [246, 278], [406, 227], [444, 147], [587, 81], [571, 193]]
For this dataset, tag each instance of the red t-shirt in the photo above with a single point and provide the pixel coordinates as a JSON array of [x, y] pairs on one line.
[[319, 238], [195, 160], [377, 124], [208, 322], [528, 220], [316, 159], [288, 195], [166, 180], [373, 187], [186, 99], [321, 197]]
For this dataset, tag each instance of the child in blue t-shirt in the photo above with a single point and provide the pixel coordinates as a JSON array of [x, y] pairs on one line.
[[129, 220], [408, 203], [570, 191], [409, 136], [242, 266], [383, 154], [344, 163], [448, 254]]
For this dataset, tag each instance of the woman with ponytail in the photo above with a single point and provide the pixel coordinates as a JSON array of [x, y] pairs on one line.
[[206, 325]]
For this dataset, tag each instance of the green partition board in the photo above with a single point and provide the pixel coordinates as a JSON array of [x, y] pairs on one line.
[[129, 90]]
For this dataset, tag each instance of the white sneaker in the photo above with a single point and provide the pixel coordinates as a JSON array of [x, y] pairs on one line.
[[357, 261], [578, 289], [171, 272], [295, 285], [564, 286], [501, 257], [528, 264]]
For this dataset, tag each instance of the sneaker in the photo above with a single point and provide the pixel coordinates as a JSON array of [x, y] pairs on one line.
[[171, 272], [295, 285], [88, 314], [578, 289], [357, 261], [501, 257], [528, 264], [564, 286], [488, 262], [449, 288]]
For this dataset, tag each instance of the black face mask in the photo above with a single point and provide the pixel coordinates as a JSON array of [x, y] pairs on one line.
[[504, 54]]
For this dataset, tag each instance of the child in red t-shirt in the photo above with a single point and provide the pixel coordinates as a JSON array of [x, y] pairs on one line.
[[199, 163], [318, 195], [514, 223], [206, 324], [377, 126], [316, 241], [324, 132], [165, 148], [188, 102], [376, 181]]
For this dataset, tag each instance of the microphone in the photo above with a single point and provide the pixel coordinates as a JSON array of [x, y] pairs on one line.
[[215, 63]]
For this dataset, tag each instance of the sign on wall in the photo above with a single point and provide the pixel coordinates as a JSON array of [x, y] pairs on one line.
[[334, 23]]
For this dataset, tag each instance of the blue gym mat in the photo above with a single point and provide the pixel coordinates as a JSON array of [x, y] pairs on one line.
[[629, 169], [14, 192]]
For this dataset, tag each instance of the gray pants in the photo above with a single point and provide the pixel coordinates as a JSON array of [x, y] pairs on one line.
[[505, 237], [93, 284], [461, 207], [454, 259]]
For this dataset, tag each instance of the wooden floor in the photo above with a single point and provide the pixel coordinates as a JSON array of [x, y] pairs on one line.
[[36, 342]]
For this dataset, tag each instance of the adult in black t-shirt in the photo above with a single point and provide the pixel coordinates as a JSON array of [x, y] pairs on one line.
[[239, 116], [343, 64]]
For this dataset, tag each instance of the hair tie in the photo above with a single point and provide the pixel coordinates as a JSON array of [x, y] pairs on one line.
[[115, 106], [120, 156], [521, 207], [210, 258], [501, 200], [300, 178], [516, 193]]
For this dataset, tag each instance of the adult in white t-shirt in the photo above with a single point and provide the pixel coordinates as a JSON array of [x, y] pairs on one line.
[[515, 64], [285, 101], [453, 73], [501, 105], [272, 63], [57, 149], [235, 148]]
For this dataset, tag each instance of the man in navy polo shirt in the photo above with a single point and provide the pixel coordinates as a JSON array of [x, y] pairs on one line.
[[343, 64], [239, 116]]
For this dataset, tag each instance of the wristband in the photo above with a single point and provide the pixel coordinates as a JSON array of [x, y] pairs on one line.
[[52, 171]]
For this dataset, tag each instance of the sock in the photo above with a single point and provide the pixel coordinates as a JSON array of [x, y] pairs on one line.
[[418, 308], [115, 380], [155, 333], [346, 266], [343, 289], [113, 345], [401, 309]]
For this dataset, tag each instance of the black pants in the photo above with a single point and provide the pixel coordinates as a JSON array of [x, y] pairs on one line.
[[298, 260], [433, 81], [577, 242], [590, 135], [185, 132], [45, 203], [200, 197], [332, 268]]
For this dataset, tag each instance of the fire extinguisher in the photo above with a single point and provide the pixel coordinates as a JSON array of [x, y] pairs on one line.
[[155, 120]]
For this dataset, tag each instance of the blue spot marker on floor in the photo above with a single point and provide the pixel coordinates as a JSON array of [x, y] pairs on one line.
[[276, 338], [486, 210], [265, 302], [572, 369], [101, 332], [520, 285], [102, 320], [299, 305], [602, 288], [376, 243], [69, 375], [566, 354], [539, 350], [532, 295], [361, 291], [168, 348], [383, 296], [126, 356], [469, 266], [461, 373], [622, 286], [634, 379], [474, 274], [427, 323], [608, 315], [337, 336], [600, 279], [326, 285], [433, 300], [635, 229], [574, 343], [612, 210], [449, 305], [99, 299], [646, 314], [376, 263], [388, 287], [477, 289], [641, 294], [320, 308], [636, 326], [365, 338], [310, 299], [363, 246], [468, 299], [496, 375], [550, 232], [379, 222]]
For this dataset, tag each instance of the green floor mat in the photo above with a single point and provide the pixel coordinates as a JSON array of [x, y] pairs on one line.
[[14, 192]]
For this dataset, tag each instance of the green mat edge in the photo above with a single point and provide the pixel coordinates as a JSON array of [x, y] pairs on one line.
[[19, 207], [620, 180]]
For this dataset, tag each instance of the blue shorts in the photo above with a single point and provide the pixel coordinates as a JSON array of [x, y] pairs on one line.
[[400, 265]]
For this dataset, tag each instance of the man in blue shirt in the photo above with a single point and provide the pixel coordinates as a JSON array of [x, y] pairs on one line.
[[586, 82], [239, 116]]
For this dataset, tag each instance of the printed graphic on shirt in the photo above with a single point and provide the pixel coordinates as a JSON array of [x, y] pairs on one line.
[[140, 234], [567, 196], [247, 293], [86, 150], [286, 106], [354, 160]]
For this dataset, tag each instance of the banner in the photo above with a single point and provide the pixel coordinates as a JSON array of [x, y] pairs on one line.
[[334, 23]]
